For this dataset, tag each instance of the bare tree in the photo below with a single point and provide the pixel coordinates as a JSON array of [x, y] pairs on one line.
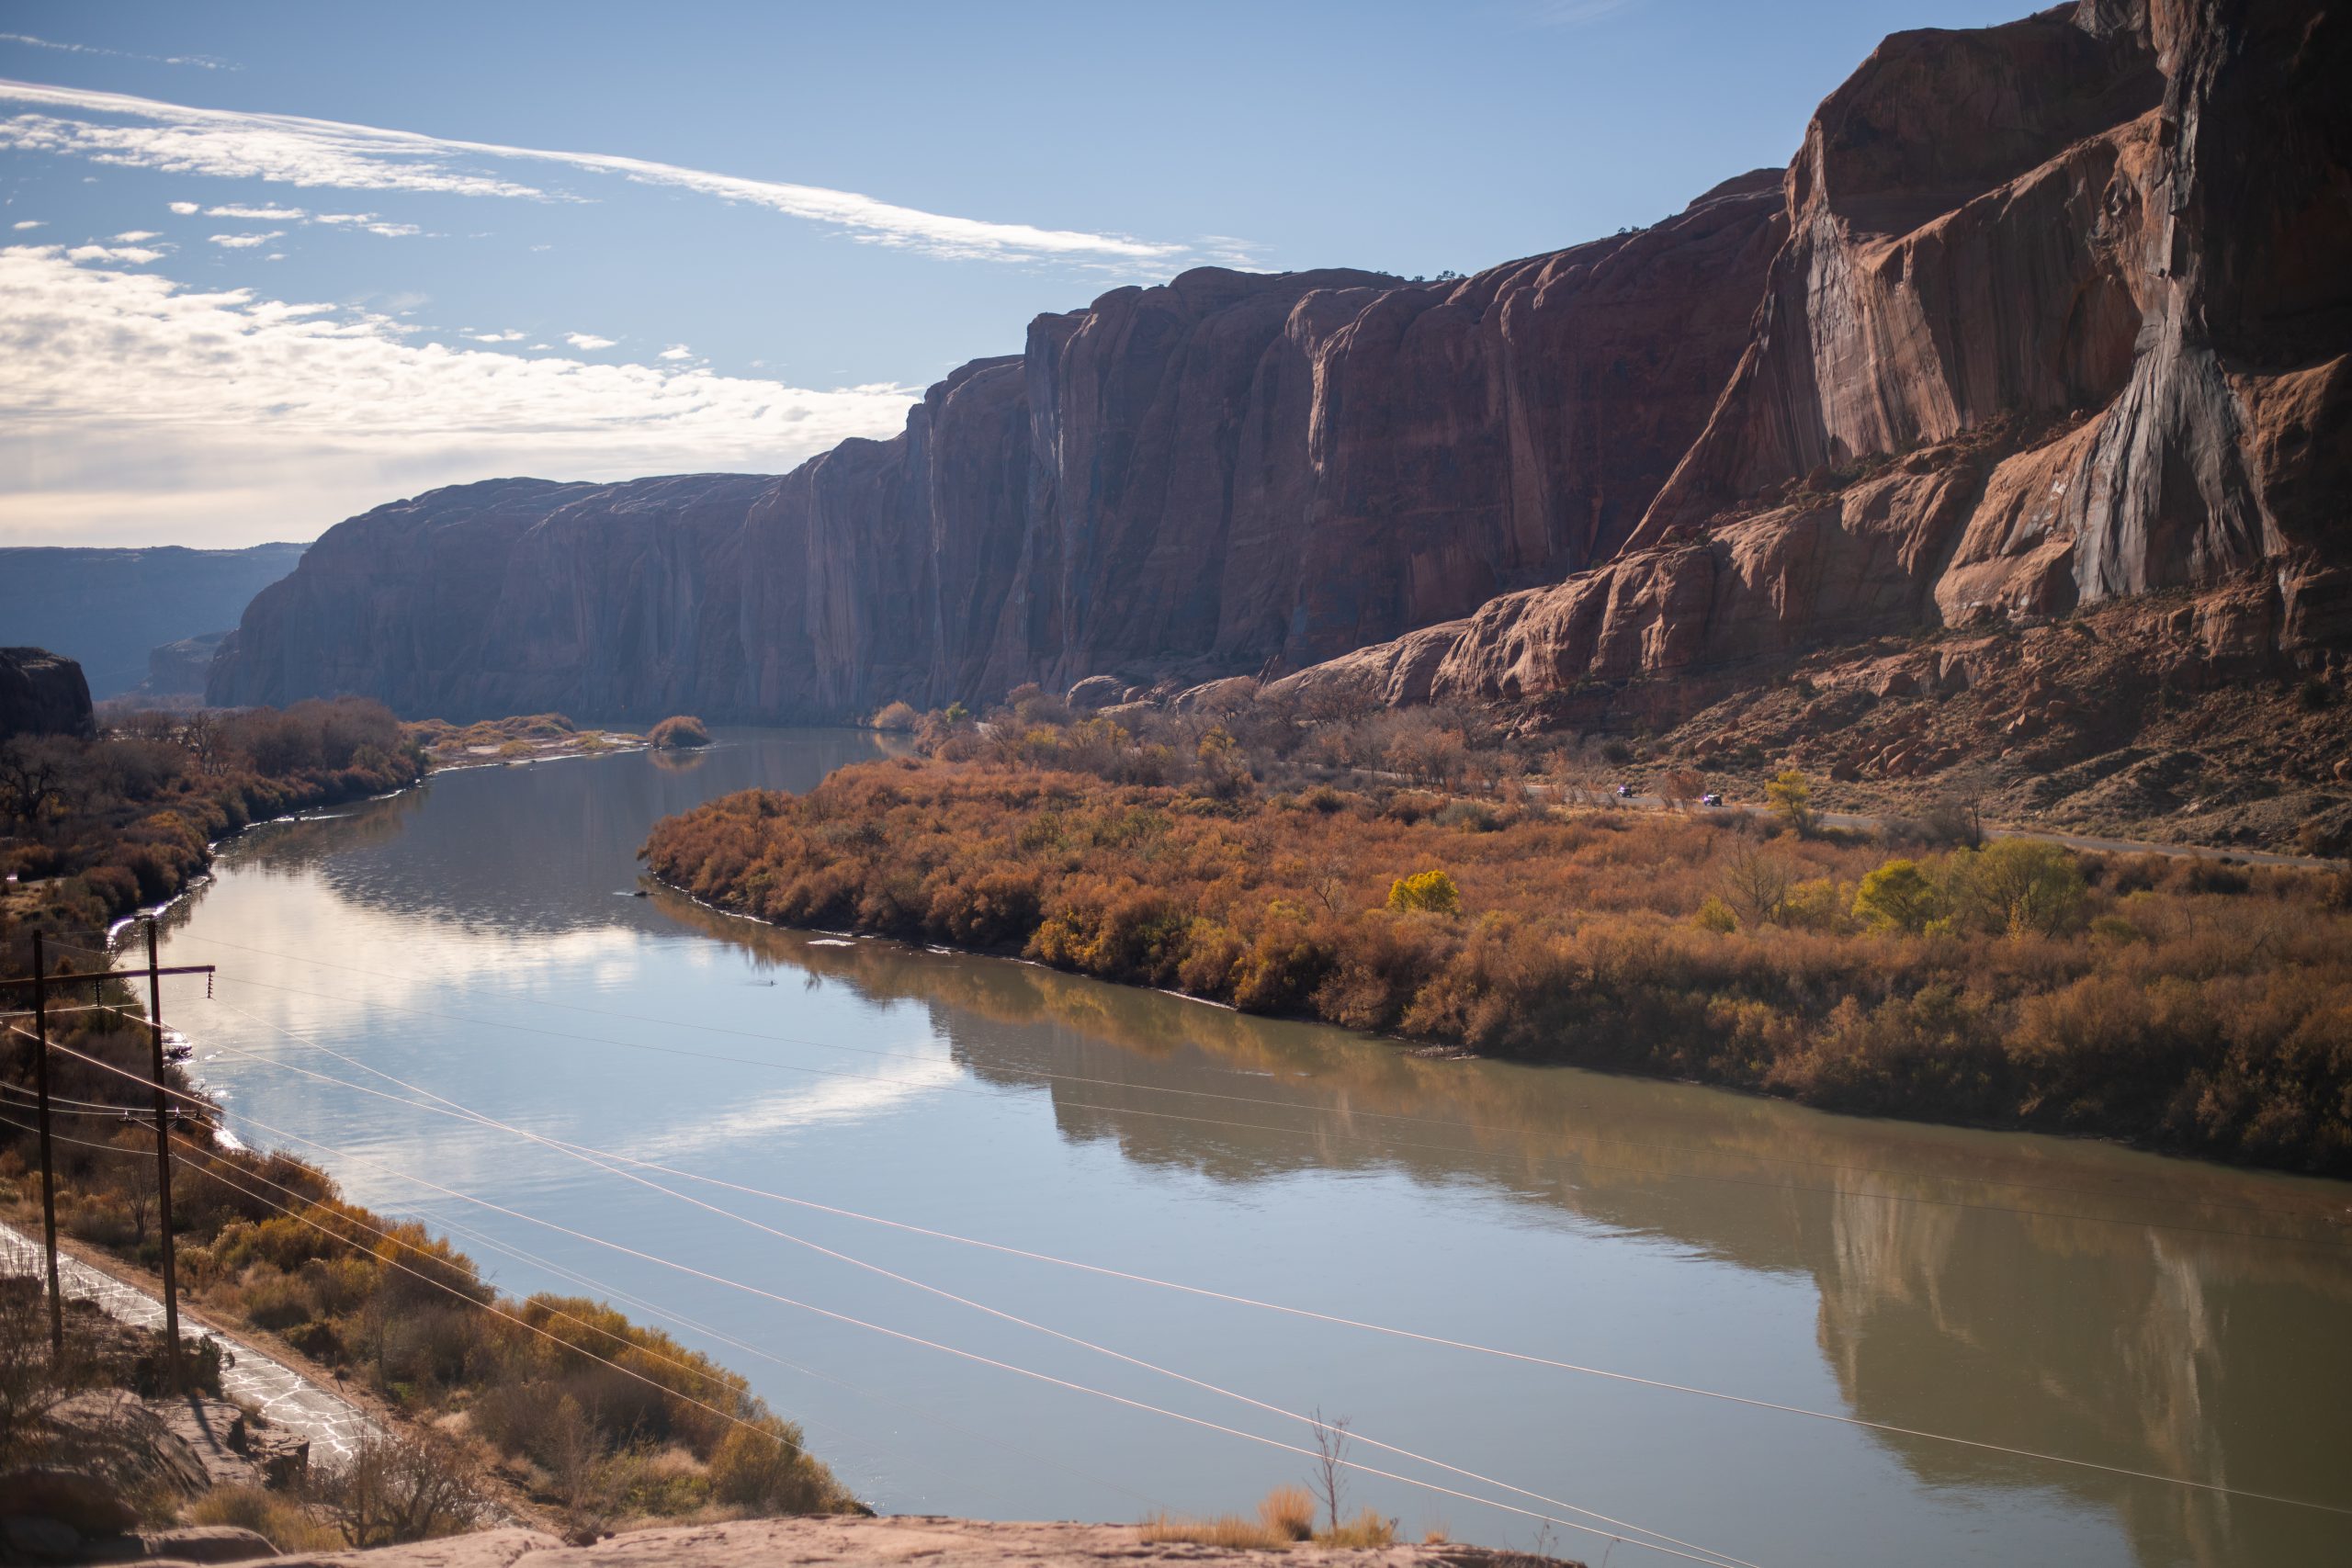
[[1330, 880], [1756, 882], [207, 739], [396, 1489], [1330, 1448], [1682, 786], [33, 771]]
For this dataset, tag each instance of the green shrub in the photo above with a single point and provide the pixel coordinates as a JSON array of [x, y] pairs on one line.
[[1897, 897], [1431, 892], [1714, 915]]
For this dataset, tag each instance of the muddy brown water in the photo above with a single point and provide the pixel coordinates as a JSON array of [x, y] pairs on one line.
[[478, 939]]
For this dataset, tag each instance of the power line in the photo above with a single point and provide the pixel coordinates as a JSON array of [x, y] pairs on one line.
[[989, 1442], [1055, 1077], [1715, 1560], [980, 1306], [1382, 1141], [720, 1378], [477, 1118]]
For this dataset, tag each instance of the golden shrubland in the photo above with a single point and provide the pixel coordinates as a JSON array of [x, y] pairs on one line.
[[2182, 1004]]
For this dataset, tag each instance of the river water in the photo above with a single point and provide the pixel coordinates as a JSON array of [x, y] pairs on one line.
[[478, 939]]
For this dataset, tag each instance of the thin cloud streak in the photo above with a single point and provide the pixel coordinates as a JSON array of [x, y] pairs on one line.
[[201, 61], [292, 150]]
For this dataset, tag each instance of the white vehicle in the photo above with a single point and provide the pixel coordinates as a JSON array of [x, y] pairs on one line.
[[1711, 798], [1624, 792]]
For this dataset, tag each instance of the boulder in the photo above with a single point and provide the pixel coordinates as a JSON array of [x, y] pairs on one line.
[[206, 1543], [1096, 692], [42, 694]]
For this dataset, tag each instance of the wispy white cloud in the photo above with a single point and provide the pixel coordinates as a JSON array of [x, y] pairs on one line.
[[134, 255], [496, 337], [675, 351], [267, 214], [22, 224], [291, 149], [201, 61], [590, 341], [135, 402], [246, 242], [187, 208], [137, 236]]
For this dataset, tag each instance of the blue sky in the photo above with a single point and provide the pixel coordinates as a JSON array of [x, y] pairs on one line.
[[269, 264]]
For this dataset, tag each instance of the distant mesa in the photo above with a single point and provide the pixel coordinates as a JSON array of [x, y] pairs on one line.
[[108, 608]]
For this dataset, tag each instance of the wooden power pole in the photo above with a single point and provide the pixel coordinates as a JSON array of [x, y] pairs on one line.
[[48, 1167], [163, 1164], [40, 980]]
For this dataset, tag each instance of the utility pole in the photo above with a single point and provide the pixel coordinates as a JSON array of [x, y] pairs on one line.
[[40, 980], [163, 1164], [48, 1169]]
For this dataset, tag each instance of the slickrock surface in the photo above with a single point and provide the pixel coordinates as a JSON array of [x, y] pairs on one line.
[[878, 1542]]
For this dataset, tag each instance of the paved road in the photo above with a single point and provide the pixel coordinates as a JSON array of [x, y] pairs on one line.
[[291, 1401]]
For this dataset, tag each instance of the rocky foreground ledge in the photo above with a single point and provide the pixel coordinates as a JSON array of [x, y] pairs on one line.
[[880, 1541]]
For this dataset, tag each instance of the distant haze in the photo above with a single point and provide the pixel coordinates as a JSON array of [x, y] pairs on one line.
[[108, 608]]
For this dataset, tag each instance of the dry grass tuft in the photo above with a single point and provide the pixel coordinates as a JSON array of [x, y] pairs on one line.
[[279, 1519], [1285, 1518], [1228, 1530], [1289, 1512]]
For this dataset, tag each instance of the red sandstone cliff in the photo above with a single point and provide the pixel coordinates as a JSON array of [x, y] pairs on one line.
[[1205, 476], [2040, 315], [2063, 315]]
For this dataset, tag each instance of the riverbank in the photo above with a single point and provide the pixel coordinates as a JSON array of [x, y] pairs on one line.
[[2180, 1006], [885, 1542], [101, 828]]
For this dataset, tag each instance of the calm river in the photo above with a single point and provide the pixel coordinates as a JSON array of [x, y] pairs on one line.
[[478, 939]]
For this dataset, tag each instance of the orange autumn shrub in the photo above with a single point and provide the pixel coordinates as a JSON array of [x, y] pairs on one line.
[[2222, 1025]]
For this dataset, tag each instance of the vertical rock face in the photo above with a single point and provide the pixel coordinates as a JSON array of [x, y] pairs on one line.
[[2040, 315], [42, 694], [1221, 473], [2065, 314]]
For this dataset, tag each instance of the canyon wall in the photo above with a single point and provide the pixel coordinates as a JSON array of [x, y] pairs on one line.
[[1217, 474], [2063, 315], [2040, 315]]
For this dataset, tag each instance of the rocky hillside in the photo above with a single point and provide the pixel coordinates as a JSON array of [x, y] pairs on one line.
[[2041, 315]]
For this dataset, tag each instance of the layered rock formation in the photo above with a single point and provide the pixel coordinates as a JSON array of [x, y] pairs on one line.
[[2040, 315], [1200, 478], [42, 694], [2063, 315]]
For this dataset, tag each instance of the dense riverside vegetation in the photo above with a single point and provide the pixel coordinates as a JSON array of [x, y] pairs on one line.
[[95, 829], [598, 1418], [1413, 873]]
